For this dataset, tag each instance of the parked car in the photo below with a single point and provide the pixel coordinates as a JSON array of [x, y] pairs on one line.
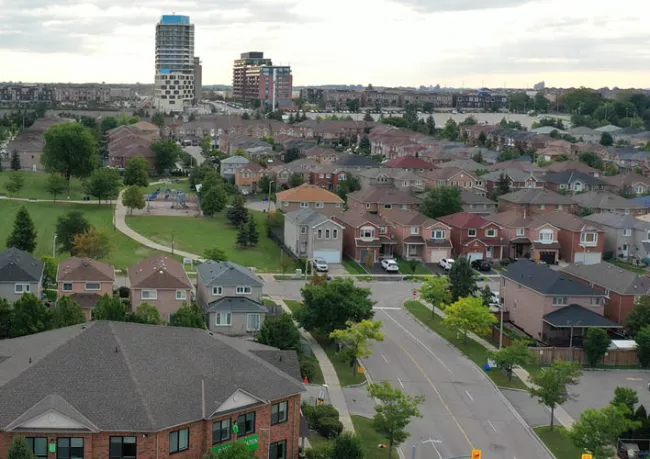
[[446, 263], [390, 266], [320, 265], [482, 265]]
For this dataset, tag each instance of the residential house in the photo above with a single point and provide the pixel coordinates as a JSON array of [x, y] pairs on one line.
[[160, 281], [620, 287], [404, 180], [247, 178], [231, 297], [410, 163], [282, 173], [125, 390], [366, 235], [327, 176], [475, 237], [452, 176], [126, 142], [534, 201], [573, 182], [228, 166], [578, 148], [629, 182], [382, 200], [309, 234], [551, 306], [468, 165], [585, 133], [581, 241], [419, 237], [517, 179], [477, 204], [332, 132], [20, 273], [30, 142], [629, 158], [528, 237], [554, 149], [604, 201], [308, 196], [625, 236], [85, 281], [322, 155], [356, 162], [515, 164], [578, 166]]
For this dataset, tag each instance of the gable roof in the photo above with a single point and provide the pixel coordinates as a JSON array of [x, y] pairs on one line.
[[307, 217], [474, 198], [235, 160], [409, 162], [356, 219], [572, 165], [466, 164], [611, 277], [568, 222], [575, 314], [604, 200], [535, 196], [514, 219], [567, 177], [226, 273], [85, 269], [619, 221], [628, 179], [308, 193], [545, 280], [356, 161], [409, 217], [158, 271], [66, 368], [464, 220], [384, 196], [516, 175], [16, 265], [240, 304]]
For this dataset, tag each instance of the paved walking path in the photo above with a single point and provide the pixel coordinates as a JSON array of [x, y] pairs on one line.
[[560, 413], [331, 378]]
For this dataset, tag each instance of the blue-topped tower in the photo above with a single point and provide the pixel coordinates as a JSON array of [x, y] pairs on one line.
[[174, 77]]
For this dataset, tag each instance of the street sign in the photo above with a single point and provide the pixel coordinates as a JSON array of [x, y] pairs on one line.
[[476, 454], [415, 293], [587, 456]]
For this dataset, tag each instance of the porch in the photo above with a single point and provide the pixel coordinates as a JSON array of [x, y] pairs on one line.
[[520, 248], [567, 327], [378, 249], [413, 248]]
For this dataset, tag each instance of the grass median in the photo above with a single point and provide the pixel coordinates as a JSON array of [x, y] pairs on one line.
[[558, 442], [370, 439], [473, 350]]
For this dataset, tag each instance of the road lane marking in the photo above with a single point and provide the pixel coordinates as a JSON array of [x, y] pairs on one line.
[[400, 383], [419, 342], [384, 357], [433, 443], [493, 428], [470, 396]]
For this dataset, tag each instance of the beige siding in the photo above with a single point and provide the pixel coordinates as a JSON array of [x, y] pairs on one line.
[[320, 244], [166, 301]]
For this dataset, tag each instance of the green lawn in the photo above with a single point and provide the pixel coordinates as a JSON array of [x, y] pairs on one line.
[[352, 267], [473, 350], [370, 440], [629, 267], [293, 305], [558, 442], [34, 186], [183, 185], [126, 251], [405, 268], [195, 235]]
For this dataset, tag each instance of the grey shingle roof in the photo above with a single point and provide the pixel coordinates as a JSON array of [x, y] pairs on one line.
[[567, 177], [619, 221], [307, 217], [576, 314], [536, 196], [604, 200], [133, 377], [16, 265], [226, 273], [611, 277], [235, 304], [516, 175], [473, 198], [356, 161], [546, 281]]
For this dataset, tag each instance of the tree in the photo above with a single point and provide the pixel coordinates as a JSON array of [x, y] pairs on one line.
[[55, 185], [354, 339], [206, 145], [441, 201], [462, 279], [137, 172], [592, 159], [611, 170], [292, 154], [23, 235], [286, 263], [19, 449], [450, 131], [625, 396], [478, 157], [104, 183], [29, 316], [349, 185], [68, 226], [166, 153], [368, 117], [93, 244], [108, 123], [6, 317], [189, 316], [431, 125], [213, 201], [215, 254], [502, 186], [640, 316], [109, 308], [71, 150], [296, 180], [597, 430], [158, 119], [482, 138], [146, 314], [515, 354], [436, 291], [209, 181], [280, 332], [394, 412], [469, 315], [264, 184], [364, 146], [14, 184], [642, 339], [67, 312], [15, 161], [245, 116], [606, 139], [595, 345], [550, 384], [237, 212], [133, 198], [330, 306], [242, 236], [253, 235], [347, 446]]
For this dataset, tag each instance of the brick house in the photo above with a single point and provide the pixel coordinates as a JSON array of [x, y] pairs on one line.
[[453, 176], [410, 163], [535, 202], [419, 237], [327, 176], [573, 182], [322, 155], [366, 235], [160, 281], [604, 201], [637, 183], [382, 200], [61, 397], [517, 179], [85, 281], [401, 179], [581, 241], [20, 272], [308, 196], [282, 173], [248, 176], [475, 237], [621, 288], [477, 203]]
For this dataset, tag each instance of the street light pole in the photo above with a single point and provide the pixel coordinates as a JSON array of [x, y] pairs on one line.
[[54, 247], [571, 340], [269, 208], [501, 328]]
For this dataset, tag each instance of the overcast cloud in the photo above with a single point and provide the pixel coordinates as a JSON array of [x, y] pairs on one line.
[[384, 42]]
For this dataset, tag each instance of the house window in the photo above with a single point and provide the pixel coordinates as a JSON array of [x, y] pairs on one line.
[[404, 207], [223, 319], [521, 231], [626, 211], [627, 232], [546, 236], [607, 293], [220, 431], [246, 424], [491, 233], [22, 288], [471, 232], [338, 204], [589, 238], [252, 322], [123, 448], [149, 294], [560, 300], [179, 440], [594, 301], [279, 413], [388, 206], [415, 230], [320, 234], [243, 290], [286, 203], [638, 189], [367, 205], [335, 234], [342, 177], [559, 207], [93, 286], [320, 205], [303, 230], [564, 186], [438, 234], [405, 183], [38, 446], [328, 176], [542, 206], [383, 230], [216, 291], [304, 205], [181, 295], [278, 450], [321, 175], [327, 234], [70, 448], [67, 287]]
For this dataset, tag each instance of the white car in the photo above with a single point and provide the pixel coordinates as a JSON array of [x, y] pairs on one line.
[[390, 266], [446, 263]]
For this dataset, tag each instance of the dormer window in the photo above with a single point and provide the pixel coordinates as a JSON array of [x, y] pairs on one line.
[[415, 230], [521, 232]]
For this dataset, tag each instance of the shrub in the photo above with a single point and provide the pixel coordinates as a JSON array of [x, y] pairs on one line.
[[320, 451], [329, 427], [308, 366], [347, 446], [123, 292]]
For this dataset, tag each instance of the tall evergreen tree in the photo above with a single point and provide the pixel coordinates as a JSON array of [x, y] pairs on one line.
[[503, 186], [19, 449], [242, 236], [23, 235], [237, 212], [15, 160], [253, 233]]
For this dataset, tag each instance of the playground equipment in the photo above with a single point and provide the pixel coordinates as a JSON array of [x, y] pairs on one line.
[[179, 200], [154, 195]]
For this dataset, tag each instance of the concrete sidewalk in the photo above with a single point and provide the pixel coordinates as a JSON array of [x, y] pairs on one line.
[[329, 373]]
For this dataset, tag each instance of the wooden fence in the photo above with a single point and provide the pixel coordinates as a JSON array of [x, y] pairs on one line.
[[507, 341], [616, 357]]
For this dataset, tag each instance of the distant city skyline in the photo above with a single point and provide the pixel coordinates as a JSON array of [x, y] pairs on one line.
[[454, 43]]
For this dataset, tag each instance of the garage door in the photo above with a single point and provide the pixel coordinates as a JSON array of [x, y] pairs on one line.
[[547, 257], [475, 256], [330, 256], [588, 258], [437, 255]]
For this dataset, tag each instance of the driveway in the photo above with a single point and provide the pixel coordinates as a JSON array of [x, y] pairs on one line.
[[336, 269], [435, 269], [261, 206]]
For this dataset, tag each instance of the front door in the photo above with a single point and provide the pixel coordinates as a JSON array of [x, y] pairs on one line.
[[626, 250], [488, 252]]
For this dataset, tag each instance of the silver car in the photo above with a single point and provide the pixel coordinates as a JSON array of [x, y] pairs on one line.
[[320, 265]]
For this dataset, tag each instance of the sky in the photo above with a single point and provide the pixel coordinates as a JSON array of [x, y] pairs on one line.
[[454, 43]]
